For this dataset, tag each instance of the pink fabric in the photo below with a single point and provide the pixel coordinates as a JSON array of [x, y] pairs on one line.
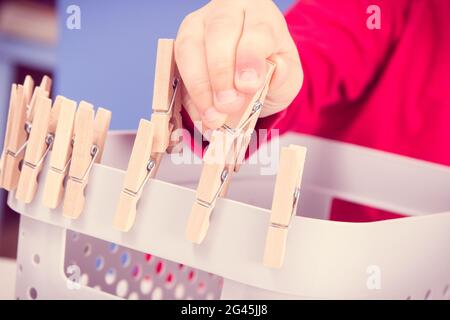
[[387, 89]]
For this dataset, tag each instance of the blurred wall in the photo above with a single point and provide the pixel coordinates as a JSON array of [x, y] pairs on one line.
[[110, 60]]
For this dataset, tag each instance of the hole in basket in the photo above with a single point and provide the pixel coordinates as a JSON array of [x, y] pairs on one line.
[[110, 276], [84, 279], [75, 236], [148, 257], [146, 285], [87, 250], [122, 288], [125, 259], [157, 294], [99, 263], [428, 295], [36, 259], [191, 276], [170, 280], [20, 268], [179, 291], [446, 292], [408, 298], [201, 288], [136, 272], [159, 268], [32, 293], [113, 247]]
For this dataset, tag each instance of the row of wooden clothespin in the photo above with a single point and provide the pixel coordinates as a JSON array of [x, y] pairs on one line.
[[224, 155], [37, 126], [77, 137]]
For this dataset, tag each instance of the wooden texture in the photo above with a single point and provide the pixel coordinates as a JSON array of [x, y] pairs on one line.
[[287, 185], [32, 165], [81, 158], [226, 148], [61, 153], [134, 177]]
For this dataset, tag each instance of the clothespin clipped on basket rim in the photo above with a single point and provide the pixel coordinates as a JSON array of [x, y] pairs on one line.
[[89, 140], [226, 149], [15, 139], [153, 137], [61, 152], [40, 142], [18, 127], [284, 204]]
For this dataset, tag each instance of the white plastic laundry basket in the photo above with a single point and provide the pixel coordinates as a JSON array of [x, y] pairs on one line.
[[406, 258]]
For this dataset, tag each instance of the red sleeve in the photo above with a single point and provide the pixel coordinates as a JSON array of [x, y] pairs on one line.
[[341, 57]]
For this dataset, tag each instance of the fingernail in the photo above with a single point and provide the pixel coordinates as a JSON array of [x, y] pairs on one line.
[[211, 115], [226, 97], [248, 75]]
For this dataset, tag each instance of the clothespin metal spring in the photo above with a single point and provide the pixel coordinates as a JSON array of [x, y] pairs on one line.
[[223, 177], [175, 86], [294, 210], [22, 148], [94, 153], [257, 106], [49, 142], [150, 167]]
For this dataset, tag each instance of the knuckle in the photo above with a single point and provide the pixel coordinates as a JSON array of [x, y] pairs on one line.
[[221, 68], [198, 87]]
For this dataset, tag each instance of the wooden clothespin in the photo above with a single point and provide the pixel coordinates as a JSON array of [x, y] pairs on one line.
[[43, 90], [153, 137], [166, 100], [89, 140], [17, 130], [15, 139], [284, 204], [140, 168], [227, 147], [39, 144], [61, 152]]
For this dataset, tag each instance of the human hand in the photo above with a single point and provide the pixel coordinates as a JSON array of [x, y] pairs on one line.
[[221, 51]]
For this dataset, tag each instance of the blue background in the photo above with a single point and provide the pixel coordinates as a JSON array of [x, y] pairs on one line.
[[110, 61]]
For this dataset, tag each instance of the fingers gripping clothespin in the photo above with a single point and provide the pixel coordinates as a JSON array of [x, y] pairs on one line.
[[61, 152], [166, 104], [284, 204], [18, 128], [226, 149], [153, 137], [89, 140]]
